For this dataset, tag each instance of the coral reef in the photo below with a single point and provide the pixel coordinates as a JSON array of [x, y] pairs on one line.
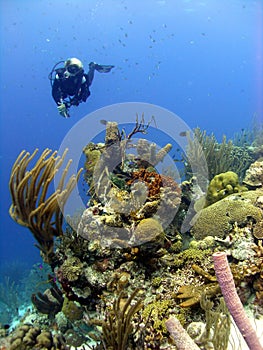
[[129, 243], [127, 190]]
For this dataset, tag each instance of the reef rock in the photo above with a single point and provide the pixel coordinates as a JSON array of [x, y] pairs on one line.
[[254, 175]]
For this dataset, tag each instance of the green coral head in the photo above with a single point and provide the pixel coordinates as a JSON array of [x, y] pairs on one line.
[[223, 185]]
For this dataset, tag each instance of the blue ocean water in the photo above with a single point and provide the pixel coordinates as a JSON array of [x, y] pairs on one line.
[[202, 60]]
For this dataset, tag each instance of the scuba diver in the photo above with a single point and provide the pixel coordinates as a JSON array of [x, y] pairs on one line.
[[70, 85]]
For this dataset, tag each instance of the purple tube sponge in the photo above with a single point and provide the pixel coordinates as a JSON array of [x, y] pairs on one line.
[[233, 303]]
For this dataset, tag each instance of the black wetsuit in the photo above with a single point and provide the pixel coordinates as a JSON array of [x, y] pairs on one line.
[[75, 88]]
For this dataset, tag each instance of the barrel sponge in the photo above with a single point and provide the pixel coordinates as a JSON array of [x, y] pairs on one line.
[[223, 185], [218, 218]]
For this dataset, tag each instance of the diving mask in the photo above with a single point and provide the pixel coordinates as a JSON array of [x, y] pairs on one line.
[[73, 67]]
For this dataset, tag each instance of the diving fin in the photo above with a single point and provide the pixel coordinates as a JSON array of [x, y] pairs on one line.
[[103, 68]]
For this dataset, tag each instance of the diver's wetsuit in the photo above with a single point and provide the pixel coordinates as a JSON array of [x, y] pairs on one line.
[[76, 86]]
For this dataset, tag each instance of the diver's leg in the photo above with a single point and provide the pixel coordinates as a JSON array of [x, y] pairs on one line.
[[91, 72]]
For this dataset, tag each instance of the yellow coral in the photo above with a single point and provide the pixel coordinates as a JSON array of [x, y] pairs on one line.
[[92, 157], [158, 312], [223, 185]]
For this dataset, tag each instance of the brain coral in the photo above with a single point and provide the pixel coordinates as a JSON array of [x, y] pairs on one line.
[[218, 218]]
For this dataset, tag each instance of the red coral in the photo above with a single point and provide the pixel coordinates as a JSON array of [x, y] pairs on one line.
[[150, 178], [154, 181]]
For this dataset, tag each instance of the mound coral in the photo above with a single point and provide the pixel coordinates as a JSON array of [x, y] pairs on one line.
[[149, 232], [29, 337]]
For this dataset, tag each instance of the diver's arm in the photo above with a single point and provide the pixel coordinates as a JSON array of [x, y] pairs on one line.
[[57, 92], [57, 95]]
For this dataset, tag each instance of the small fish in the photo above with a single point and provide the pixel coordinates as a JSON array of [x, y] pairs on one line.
[[183, 133]]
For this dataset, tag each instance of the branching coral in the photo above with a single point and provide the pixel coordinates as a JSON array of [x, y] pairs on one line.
[[218, 323], [193, 294], [31, 205], [220, 157], [118, 327]]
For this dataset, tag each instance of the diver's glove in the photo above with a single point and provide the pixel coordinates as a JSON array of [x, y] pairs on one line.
[[62, 110], [100, 67]]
